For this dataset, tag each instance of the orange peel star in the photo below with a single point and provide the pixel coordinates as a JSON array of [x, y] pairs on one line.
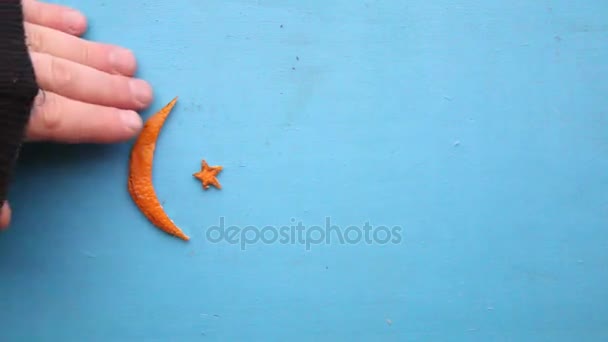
[[207, 175]]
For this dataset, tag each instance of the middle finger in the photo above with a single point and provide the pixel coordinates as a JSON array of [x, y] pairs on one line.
[[86, 84]]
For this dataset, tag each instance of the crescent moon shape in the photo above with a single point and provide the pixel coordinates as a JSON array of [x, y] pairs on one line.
[[140, 173]]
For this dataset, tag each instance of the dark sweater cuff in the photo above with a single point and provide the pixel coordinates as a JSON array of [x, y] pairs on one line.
[[18, 89]]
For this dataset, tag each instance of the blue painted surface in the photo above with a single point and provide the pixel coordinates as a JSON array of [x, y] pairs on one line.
[[478, 128]]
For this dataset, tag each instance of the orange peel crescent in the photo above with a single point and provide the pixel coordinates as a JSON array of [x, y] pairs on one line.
[[140, 173]]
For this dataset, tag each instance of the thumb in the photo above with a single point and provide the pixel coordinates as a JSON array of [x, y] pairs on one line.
[[5, 215]]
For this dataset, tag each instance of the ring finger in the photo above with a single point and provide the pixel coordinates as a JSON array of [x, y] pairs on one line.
[[86, 84], [104, 57]]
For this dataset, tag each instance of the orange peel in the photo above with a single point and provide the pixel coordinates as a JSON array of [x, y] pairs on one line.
[[207, 175], [140, 184]]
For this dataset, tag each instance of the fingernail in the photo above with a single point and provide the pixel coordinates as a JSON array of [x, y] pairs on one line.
[[122, 60], [131, 119], [142, 92], [74, 21]]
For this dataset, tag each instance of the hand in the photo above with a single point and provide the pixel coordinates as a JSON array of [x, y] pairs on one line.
[[88, 92]]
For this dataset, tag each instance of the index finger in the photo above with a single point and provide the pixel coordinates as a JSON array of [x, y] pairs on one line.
[[57, 17]]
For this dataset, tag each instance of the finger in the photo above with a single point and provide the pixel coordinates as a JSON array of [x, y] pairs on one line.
[[58, 17], [104, 57], [87, 84], [5, 216], [60, 119]]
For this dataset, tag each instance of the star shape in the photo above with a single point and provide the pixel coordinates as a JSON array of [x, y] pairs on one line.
[[207, 175]]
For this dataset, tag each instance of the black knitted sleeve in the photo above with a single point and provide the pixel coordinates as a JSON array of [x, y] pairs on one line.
[[18, 89]]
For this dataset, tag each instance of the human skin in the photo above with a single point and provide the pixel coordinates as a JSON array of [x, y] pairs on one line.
[[88, 90]]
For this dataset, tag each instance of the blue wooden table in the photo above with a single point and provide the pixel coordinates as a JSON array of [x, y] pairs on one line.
[[393, 170]]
